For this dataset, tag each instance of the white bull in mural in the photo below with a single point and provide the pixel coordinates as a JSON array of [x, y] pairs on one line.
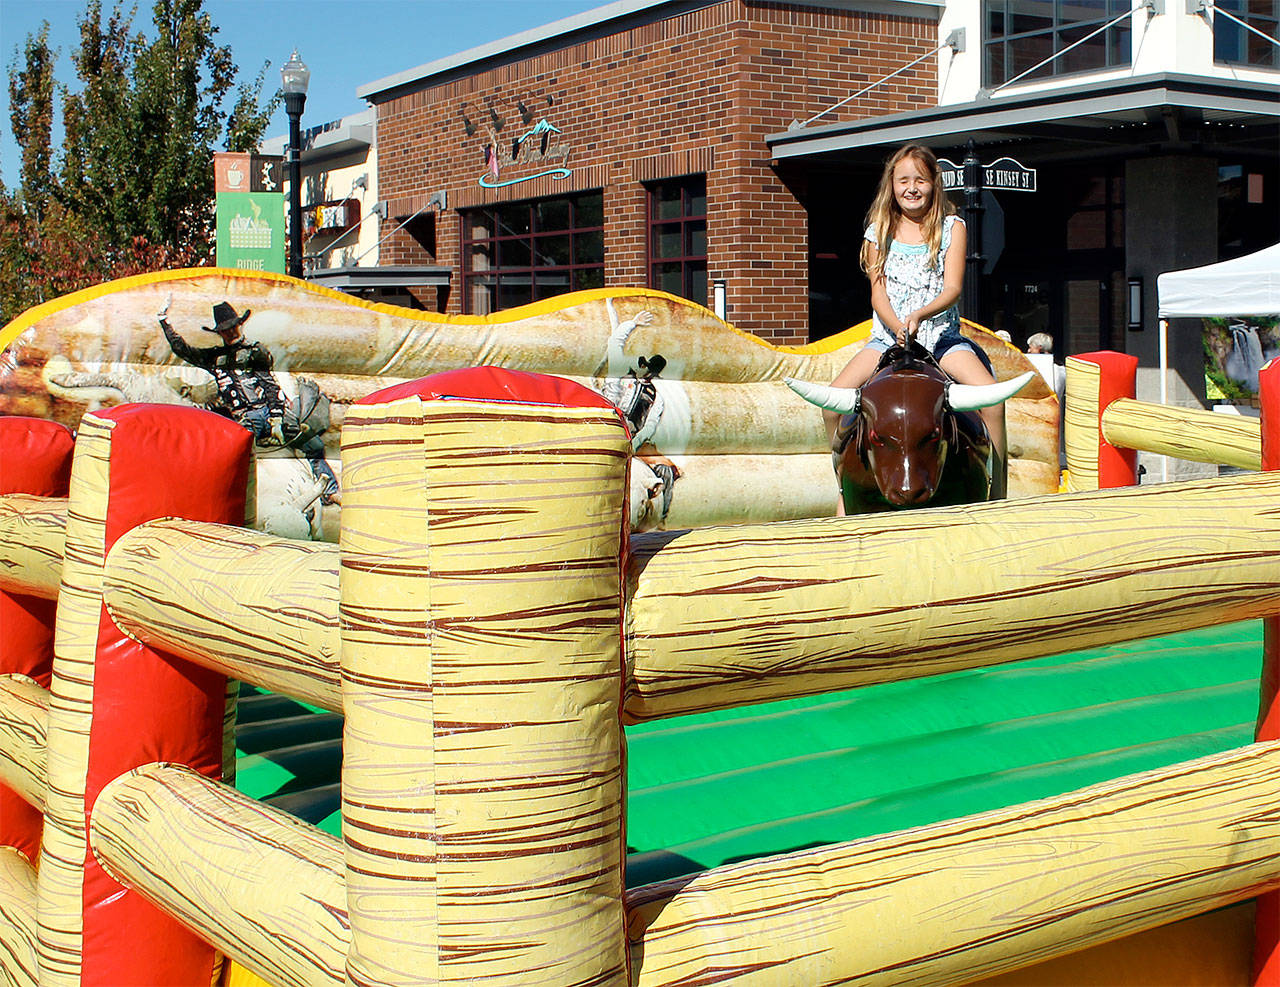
[[288, 492]]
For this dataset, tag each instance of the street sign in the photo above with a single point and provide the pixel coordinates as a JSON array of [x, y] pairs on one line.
[[1008, 175], [1002, 175]]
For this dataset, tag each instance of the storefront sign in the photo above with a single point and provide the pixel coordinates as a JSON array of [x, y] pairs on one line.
[[1002, 175], [250, 212], [330, 217], [536, 148]]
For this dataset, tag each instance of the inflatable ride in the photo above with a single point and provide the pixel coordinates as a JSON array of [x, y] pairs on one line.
[[489, 631], [718, 437]]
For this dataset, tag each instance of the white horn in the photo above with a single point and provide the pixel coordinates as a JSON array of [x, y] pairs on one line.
[[971, 397], [844, 400]]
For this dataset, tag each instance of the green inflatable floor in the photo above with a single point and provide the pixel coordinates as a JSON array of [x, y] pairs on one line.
[[713, 788]]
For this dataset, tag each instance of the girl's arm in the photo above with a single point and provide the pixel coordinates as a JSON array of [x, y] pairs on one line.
[[952, 279], [880, 303]]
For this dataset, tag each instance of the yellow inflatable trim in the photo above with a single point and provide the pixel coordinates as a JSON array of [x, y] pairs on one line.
[[33, 315]]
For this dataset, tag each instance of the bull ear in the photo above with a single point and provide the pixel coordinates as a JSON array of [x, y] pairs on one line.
[[844, 400], [971, 397]]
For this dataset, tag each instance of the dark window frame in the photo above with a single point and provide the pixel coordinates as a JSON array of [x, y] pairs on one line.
[[1061, 30], [693, 266], [561, 276]]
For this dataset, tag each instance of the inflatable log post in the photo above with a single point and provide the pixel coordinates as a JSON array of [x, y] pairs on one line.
[[35, 459], [1266, 959], [1094, 380], [117, 704], [481, 583]]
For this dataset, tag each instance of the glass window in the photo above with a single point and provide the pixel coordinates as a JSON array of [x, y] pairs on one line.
[[1233, 45], [588, 247], [588, 277], [525, 251], [552, 214], [678, 237], [1094, 210], [1020, 34]]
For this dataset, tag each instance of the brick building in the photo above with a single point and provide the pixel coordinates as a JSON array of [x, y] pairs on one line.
[[689, 144], [628, 147]]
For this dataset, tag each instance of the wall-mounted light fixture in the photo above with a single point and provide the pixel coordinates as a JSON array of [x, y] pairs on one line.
[[1135, 304], [719, 298]]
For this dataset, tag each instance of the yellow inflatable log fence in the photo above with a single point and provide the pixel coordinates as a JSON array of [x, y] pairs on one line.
[[487, 624], [719, 437], [1105, 428]]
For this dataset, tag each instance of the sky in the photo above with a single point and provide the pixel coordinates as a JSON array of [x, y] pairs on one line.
[[345, 43]]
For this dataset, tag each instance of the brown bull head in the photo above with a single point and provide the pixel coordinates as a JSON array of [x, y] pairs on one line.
[[908, 425]]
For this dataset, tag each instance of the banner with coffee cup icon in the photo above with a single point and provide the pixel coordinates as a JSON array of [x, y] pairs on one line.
[[250, 211]]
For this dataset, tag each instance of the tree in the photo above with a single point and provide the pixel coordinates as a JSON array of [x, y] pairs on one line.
[[132, 183], [31, 115]]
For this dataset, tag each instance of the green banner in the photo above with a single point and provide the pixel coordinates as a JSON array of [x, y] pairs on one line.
[[251, 231]]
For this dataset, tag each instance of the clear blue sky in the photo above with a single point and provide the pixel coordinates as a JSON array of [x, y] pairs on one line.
[[345, 43]]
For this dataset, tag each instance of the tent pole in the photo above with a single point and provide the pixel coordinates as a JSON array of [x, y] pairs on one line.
[[1164, 386]]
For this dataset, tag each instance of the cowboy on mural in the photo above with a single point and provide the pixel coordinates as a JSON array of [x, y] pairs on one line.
[[249, 394]]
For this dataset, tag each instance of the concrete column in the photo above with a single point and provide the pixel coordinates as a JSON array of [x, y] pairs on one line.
[[1171, 222]]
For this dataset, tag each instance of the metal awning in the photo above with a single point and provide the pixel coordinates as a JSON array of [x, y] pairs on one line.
[[389, 278], [1167, 110]]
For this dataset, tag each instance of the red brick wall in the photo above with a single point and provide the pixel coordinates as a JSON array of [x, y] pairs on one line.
[[694, 91]]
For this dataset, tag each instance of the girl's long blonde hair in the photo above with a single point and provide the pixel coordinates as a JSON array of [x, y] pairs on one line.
[[884, 213]]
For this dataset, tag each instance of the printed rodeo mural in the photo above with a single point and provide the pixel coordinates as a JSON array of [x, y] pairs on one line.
[[717, 435]]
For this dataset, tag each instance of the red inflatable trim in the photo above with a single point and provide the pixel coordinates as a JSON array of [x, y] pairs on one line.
[[1118, 379], [35, 456], [1269, 398], [147, 706], [493, 384], [1266, 923]]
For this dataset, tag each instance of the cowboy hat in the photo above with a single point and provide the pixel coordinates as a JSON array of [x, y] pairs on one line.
[[225, 318]]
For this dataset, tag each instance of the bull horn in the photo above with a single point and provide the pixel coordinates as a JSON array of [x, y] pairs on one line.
[[971, 397], [844, 400]]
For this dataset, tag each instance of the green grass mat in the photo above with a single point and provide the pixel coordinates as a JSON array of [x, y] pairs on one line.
[[717, 787]]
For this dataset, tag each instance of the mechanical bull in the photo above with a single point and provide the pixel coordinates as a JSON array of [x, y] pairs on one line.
[[911, 436]]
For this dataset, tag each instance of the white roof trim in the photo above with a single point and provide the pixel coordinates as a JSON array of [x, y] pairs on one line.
[[589, 19]]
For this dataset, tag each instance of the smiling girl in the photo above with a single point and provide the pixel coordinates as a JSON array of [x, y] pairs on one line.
[[914, 253]]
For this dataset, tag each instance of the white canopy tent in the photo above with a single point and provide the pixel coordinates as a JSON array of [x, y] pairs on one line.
[[1248, 285]]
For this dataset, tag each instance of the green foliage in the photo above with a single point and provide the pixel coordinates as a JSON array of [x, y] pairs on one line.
[[31, 114], [132, 183]]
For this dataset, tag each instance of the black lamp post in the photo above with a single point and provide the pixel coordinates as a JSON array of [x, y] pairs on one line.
[[294, 76], [971, 299]]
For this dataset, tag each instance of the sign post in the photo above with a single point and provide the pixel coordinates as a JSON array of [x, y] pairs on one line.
[[977, 180], [250, 212], [972, 297]]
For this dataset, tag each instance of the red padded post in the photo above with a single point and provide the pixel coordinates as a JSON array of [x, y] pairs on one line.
[[1118, 378], [1266, 950], [148, 706], [35, 458]]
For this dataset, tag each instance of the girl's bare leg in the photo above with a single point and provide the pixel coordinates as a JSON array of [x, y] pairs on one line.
[[965, 368], [855, 373]]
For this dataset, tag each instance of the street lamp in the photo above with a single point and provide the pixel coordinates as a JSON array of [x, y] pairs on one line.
[[294, 76], [971, 297]]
